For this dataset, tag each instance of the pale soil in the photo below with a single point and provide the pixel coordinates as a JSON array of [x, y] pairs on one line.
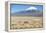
[[26, 22]]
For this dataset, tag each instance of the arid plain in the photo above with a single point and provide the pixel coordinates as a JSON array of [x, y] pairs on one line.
[[26, 22]]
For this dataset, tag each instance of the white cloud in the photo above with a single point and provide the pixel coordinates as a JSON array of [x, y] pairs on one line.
[[31, 8]]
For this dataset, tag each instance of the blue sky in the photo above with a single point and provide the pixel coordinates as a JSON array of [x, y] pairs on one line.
[[21, 7]]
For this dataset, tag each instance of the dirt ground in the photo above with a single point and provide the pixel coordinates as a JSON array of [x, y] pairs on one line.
[[26, 22]]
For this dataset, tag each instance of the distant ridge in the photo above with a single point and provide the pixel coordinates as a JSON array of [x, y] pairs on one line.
[[28, 13]]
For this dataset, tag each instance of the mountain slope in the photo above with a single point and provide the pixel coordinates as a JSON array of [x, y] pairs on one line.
[[28, 13]]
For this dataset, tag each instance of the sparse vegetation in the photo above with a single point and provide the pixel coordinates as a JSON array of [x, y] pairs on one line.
[[32, 22]]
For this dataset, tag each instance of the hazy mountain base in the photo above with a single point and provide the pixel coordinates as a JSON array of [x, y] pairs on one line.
[[26, 22], [35, 13]]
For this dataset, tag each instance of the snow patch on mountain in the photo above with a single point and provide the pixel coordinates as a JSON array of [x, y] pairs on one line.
[[31, 8]]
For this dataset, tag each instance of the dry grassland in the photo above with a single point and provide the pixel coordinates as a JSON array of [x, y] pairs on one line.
[[22, 22]]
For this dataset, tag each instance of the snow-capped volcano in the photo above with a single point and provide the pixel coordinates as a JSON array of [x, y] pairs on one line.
[[31, 8], [31, 11]]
